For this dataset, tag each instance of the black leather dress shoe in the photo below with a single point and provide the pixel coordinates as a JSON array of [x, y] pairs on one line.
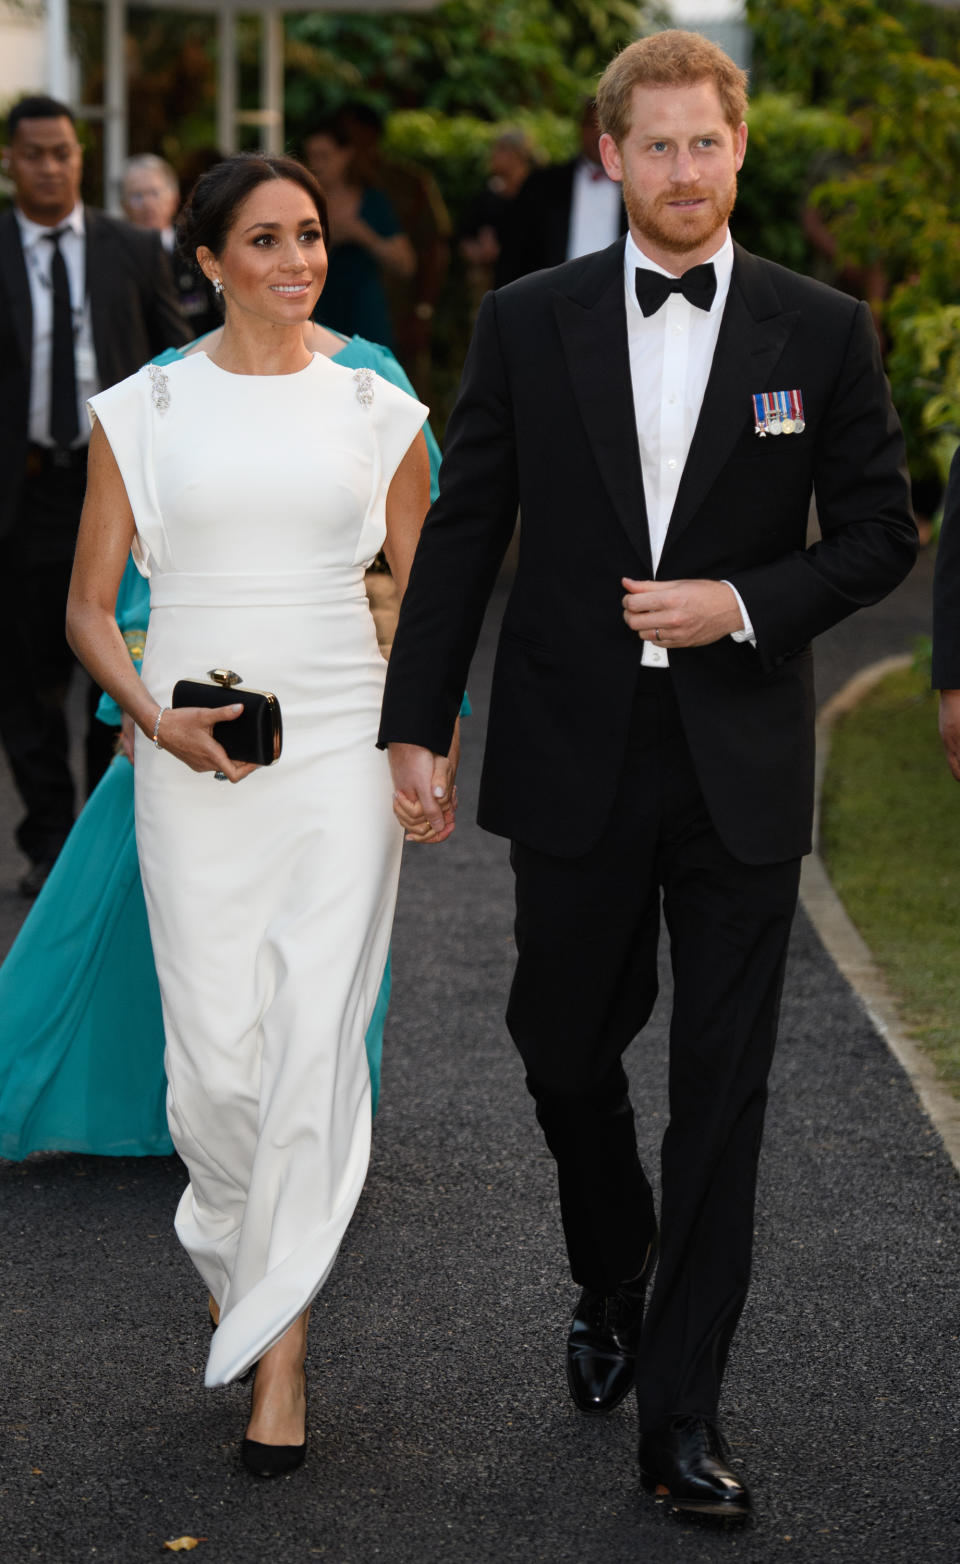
[[602, 1343], [683, 1462]]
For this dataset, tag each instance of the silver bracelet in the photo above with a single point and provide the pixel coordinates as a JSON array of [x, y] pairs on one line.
[[156, 727]]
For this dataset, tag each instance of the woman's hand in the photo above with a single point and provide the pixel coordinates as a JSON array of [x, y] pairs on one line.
[[187, 732], [443, 788], [343, 207]]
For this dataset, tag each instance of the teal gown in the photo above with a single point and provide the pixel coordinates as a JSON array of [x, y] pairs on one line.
[[81, 1031]]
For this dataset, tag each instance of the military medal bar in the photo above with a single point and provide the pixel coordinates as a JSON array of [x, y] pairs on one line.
[[778, 412]]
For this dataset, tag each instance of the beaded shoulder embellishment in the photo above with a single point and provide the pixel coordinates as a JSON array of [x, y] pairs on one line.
[[363, 379], [160, 388]]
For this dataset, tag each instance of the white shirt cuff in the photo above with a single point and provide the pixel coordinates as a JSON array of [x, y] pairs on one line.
[[746, 634]]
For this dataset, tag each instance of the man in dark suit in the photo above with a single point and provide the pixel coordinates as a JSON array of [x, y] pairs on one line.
[[661, 412], [563, 211], [946, 620], [84, 301]]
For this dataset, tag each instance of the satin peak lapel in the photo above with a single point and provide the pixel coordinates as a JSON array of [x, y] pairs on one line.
[[753, 334], [593, 330], [13, 269]]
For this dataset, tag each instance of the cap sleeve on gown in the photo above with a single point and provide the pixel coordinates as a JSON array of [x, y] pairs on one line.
[[127, 413], [395, 419]]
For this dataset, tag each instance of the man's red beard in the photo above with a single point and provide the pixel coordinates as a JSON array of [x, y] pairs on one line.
[[676, 232]]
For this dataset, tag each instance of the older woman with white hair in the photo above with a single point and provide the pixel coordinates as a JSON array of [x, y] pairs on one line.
[[150, 196]]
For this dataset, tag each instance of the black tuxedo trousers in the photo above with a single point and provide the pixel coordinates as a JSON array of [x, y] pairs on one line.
[[586, 980]]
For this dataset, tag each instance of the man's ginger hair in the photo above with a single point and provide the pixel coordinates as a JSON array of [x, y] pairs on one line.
[[669, 59]]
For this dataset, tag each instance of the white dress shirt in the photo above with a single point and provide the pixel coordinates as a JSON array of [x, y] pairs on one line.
[[38, 255], [671, 353], [595, 208]]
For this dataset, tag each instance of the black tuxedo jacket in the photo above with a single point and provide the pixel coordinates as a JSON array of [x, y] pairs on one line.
[[134, 314], [946, 589], [545, 419], [536, 227]]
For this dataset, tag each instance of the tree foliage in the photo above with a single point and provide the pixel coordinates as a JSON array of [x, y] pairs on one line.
[[786, 139], [891, 206], [895, 202], [925, 363], [485, 58]]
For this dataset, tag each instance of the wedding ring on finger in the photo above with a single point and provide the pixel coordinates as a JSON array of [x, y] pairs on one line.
[[657, 634]]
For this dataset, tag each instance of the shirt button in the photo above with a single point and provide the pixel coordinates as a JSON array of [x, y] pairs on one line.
[[678, 331], [658, 655], [672, 462], [671, 400]]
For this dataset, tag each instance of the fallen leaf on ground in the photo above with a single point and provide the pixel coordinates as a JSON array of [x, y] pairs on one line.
[[183, 1544]]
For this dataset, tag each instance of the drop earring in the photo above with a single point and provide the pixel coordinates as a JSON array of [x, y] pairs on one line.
[[217, 287]]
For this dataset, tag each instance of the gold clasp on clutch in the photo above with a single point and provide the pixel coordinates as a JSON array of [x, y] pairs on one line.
[[224, 676]]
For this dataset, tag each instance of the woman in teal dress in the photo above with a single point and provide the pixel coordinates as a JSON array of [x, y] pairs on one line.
[[81, 1031], [366, 240]]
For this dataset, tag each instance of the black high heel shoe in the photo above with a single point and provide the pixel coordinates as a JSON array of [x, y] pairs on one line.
[[274, 1460]]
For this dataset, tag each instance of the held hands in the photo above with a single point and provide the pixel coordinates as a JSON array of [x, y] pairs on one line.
[[187, 732], [950, 728], [425, 800], [681, 613]]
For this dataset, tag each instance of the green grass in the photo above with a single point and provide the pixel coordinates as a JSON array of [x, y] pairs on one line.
[[891, 841]]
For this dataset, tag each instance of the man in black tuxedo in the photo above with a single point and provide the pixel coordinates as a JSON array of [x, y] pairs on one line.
[[661, 412], [563, 211], [84, 301], [946, 620]]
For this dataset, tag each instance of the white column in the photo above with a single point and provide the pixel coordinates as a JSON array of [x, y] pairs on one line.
[[115, 129], [57, 44], [271, 81], [227, 79]]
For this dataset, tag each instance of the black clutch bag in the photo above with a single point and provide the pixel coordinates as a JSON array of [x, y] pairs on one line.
[[256, 736]]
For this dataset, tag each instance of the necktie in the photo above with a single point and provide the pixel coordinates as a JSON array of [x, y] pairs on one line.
[[699, 285], [63, 370]]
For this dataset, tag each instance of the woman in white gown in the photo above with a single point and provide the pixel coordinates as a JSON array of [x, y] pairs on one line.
[[254, 486]]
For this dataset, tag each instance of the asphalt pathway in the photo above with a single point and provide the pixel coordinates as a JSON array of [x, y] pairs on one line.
[[440, 1428]]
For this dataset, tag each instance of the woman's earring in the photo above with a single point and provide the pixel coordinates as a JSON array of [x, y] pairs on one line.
[[217, 286]]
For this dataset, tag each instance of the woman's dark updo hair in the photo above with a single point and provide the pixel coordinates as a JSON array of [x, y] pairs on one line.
[[212, 204]]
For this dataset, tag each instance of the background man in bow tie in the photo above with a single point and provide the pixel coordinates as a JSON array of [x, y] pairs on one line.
[[651, 720], [563, 210], [84, 301]]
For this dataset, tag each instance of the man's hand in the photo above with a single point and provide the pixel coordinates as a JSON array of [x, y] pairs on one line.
[[681, 613], [950, 728], [425, 797]]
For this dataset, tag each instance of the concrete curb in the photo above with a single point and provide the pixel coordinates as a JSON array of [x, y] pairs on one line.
[[846, 945]]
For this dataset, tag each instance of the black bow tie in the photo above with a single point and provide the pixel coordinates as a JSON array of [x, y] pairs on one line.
[[699, 285]]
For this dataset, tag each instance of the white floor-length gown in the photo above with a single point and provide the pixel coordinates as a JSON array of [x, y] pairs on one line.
[[258, 501]]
